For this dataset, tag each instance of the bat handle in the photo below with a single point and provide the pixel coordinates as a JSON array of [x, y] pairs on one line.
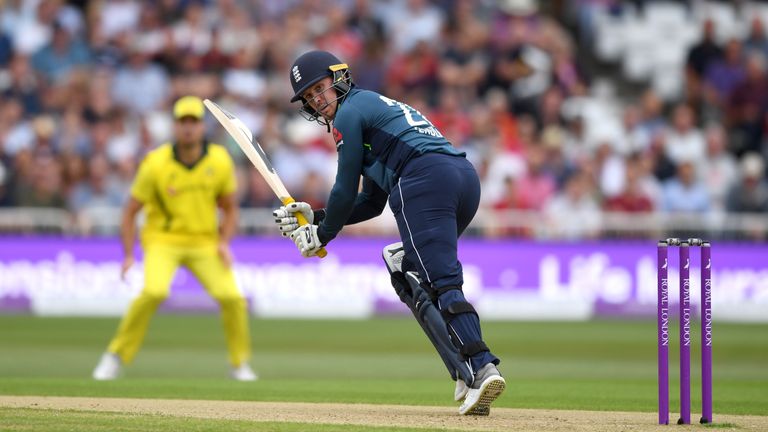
[[303, 221]]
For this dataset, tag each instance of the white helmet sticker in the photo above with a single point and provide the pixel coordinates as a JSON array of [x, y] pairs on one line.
[[296, 74]]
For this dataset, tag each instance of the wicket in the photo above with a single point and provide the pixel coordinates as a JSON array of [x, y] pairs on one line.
[[685, 329]]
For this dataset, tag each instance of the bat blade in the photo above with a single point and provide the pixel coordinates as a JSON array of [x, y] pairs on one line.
[[244, 139]]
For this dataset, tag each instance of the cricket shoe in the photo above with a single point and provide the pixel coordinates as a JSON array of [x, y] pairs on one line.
[[488, 385], [461, 390], [108, 368], [243, 373]]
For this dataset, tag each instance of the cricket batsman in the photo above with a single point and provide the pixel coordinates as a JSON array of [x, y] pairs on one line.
[[433, 191], [181, 185]]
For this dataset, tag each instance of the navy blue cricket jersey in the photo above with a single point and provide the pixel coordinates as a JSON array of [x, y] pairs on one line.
[[375, 137]]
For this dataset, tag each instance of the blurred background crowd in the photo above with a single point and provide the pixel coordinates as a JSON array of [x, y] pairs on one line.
[[584, 118]]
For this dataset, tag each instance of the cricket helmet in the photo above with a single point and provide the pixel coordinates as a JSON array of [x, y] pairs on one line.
[[310, 68]]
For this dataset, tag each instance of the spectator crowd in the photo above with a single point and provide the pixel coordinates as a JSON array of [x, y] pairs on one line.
[[86, 89]]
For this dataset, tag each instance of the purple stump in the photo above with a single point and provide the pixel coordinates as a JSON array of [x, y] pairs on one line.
[[662, 320], [706, 333], [685, 334]]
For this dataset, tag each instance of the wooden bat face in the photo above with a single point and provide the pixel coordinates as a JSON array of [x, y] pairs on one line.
[[244, 139]]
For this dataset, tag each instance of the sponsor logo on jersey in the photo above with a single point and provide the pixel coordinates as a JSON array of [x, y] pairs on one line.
[[337, 135]]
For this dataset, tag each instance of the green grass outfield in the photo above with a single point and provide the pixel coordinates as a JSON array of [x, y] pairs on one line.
[[598, 365]]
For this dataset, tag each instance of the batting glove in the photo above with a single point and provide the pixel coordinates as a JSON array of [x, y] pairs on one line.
[[285, 217], [306, 240]]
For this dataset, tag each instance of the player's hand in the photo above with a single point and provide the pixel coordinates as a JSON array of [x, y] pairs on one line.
[[306, 240], [225, 253], [127, 264], [285, 217]]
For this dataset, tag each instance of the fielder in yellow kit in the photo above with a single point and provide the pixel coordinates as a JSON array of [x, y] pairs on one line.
[[181, 186]]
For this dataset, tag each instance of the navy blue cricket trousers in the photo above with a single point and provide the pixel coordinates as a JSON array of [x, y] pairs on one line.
[[434, 200]]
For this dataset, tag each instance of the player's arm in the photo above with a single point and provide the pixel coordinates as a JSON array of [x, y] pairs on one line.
[[128, 232], [369, 203], [142, 191], [350, 166], [230, 214]]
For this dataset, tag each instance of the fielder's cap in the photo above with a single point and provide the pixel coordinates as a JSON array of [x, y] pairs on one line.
[[189, 106]]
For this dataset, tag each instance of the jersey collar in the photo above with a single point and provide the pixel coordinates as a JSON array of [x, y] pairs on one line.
[[193, 164]]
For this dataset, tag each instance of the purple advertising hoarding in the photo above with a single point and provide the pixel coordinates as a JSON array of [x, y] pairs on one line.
[[505, 279]]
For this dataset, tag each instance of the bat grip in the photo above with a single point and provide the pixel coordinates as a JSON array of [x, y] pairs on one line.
[[303, 221]]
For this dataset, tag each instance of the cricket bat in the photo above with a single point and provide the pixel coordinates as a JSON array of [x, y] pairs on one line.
[[244, 138]]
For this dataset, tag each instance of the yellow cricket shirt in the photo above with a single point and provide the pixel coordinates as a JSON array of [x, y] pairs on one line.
[[180, 200]]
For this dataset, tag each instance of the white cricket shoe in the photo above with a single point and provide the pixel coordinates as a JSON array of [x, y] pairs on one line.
[[488, 385], [108, 368], [243, 373], [461, 390]]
